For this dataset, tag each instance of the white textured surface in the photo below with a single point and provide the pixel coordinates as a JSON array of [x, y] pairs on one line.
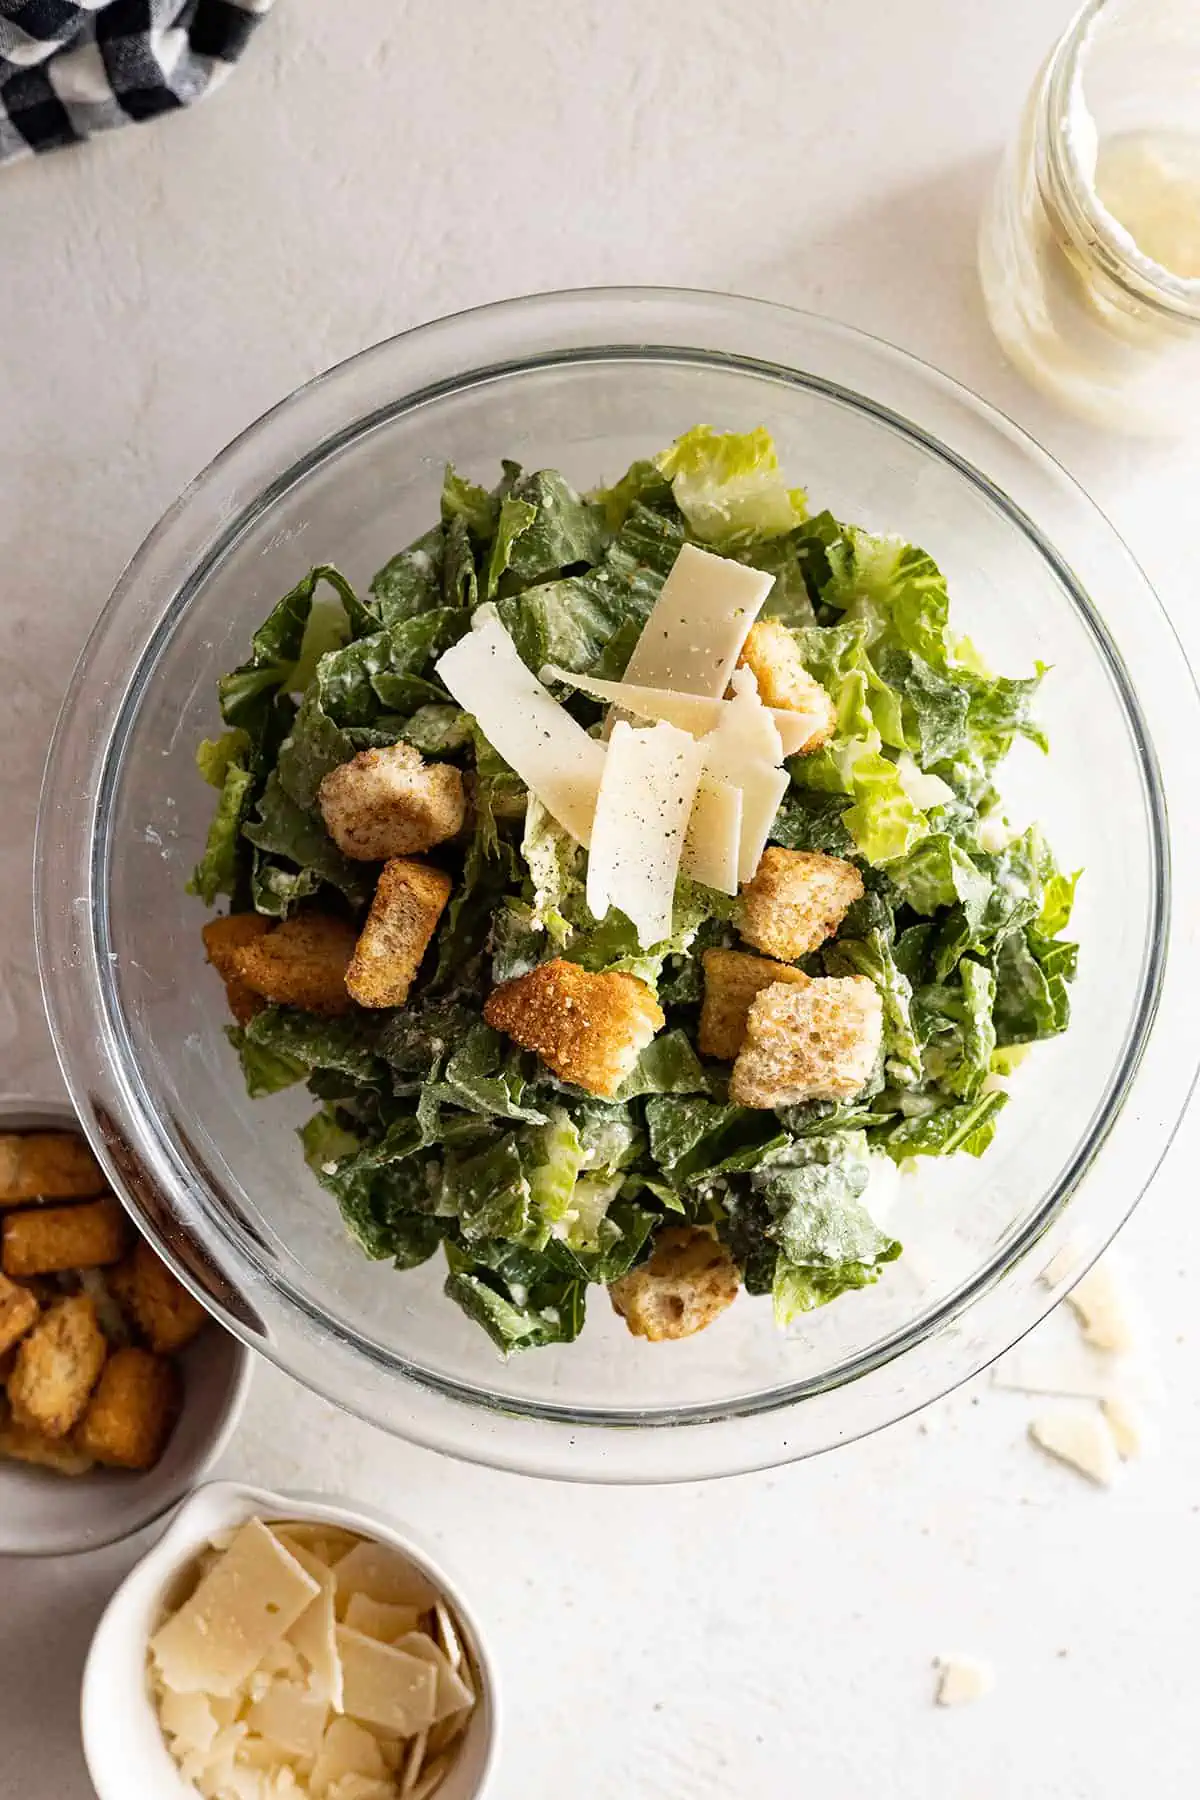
[[371, 167]]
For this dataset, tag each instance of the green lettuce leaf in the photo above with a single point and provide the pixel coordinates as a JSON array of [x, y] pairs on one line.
[[970, 1127], [284, 829], [563, 531], [220, 868], [411, 582], [730, 486]]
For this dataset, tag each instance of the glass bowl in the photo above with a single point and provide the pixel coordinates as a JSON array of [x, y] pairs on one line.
[[348, 470]]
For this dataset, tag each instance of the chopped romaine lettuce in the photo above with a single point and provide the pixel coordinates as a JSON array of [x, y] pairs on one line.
[[434, 1129]]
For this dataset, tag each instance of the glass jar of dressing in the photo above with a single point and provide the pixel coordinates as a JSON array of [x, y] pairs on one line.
[[1090, 248]]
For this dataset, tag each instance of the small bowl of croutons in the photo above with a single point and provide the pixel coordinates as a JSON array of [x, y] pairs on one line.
[[116, 1388]]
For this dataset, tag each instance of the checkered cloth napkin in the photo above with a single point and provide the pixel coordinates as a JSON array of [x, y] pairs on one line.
[[69, 68]]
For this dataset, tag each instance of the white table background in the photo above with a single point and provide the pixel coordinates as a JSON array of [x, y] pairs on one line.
[[375, 165]]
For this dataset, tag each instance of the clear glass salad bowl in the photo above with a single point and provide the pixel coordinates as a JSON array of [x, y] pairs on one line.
[[348, 470]]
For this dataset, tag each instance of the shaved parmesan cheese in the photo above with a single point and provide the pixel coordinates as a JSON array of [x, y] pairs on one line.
[[698, 625], [385, 1686], [431, 1778], [245, 1603], [382, 1573], [413, 1761], [375, 1619], [365, 1709], [550, 751], [452, 1692], [962, 1679], [347, 1749], [448, 1635], [361, 1787], [714, 834], [1100, 1303], [745, 751], [696, 713], [1128, 1426], [1072, 1371], [189, 1719], [762, 793], [325, 1542], [313, 1634], [1081, 1439], [641, 820], [290, 1716]]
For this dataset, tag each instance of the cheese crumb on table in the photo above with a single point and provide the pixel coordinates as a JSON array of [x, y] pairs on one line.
[[1081, 1438], [962, 1679]]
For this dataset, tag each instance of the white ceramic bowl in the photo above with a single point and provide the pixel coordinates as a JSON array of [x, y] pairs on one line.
[[43, 1513], [122, 1742]]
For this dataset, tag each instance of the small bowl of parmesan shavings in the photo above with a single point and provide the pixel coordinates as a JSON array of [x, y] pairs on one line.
[[276, 1647]]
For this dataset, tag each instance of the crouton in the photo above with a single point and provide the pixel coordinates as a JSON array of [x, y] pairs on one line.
[[796, 900], [688, 1279], [818, 1042], [589, 1029], [63, 1237], [18, 1309], [731, 980], [773, 657], [47, 1165], [223, 937], [409, 898], [22, 1444], [161, 1307], [302, 963], [58, 1364], [129, 1417], [391, 802]]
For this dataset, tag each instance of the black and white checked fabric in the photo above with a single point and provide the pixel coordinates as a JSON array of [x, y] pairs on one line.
[[70, 68]]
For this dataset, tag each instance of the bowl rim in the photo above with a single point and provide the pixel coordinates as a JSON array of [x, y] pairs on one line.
[[215, 1505], [20, 1112], [912, 387]]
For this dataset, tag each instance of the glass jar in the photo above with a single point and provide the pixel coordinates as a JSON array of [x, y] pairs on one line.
[[1090, 248]]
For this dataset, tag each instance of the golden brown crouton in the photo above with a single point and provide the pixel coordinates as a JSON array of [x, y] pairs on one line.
[[818, 1042], [772, 655], [731, 980], [391, 802], [409, 898], [63, 1237], [687, 1281], [797, 899], [590, 1029], [58, 1364], [129, 1417], [47, 1165], [161, 1307], [302, 963], [223, 938], [18, 1309], [27, 1446]]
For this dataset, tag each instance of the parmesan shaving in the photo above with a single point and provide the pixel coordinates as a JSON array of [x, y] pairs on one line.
[[245, 1603], [698, 625], [642, 813], [697, 713], [550, 751], [745, 751], [1081, 1439], [714, 835]]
